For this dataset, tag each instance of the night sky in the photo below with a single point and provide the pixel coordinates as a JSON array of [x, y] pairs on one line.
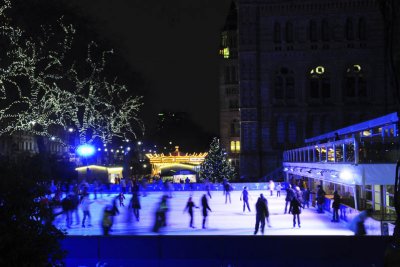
[[172, 44]]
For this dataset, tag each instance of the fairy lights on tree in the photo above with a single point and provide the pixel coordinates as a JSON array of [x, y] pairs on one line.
[[45, 93], [216, 166]]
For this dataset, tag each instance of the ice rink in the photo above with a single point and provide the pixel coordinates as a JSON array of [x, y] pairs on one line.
[[225, 219]]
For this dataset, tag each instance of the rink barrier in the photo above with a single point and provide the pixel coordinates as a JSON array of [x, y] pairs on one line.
[[224, 251], [116, 188]]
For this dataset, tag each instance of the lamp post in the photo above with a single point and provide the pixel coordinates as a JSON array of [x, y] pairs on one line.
[[85, 151]]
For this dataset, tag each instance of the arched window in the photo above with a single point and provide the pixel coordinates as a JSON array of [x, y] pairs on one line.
[[289, 90], [292, 130], [362, 29], [280, 131], [313, 31], [278, 92], [325, 32], [289, 32], [355, 85], [235, 128], [284, 84], [349, 29], [277, 32], [319, 83]]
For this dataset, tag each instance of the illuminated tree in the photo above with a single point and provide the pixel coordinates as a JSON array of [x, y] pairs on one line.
[[216, 166], [45, 93]]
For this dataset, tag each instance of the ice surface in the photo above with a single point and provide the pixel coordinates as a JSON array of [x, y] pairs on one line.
[[225, 219]]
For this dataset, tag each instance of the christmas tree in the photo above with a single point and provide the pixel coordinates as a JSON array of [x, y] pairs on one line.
[[216, 166]]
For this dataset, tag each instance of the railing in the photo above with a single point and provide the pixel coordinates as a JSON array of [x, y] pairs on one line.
[[350, 150]]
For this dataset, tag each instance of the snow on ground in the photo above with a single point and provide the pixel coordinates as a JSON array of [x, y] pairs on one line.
[[225, 219]]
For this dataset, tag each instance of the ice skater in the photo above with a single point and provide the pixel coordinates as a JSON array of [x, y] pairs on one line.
[[289, 197], [336, 206], [357, 224], [161, 214], [320, 199], [206, 208], [245, 197], [85, 204], [135, 204], [228, 189], [261, 214], [189, 207], [278, 190], [121, 198], [296, 211], [271, 187]]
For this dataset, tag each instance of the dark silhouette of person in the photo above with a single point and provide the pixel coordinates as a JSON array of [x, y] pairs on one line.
[[107, 220], [189, 207], [320, 199], [245, 197], [261, 214], [135, 204], [289, 196], [228, 189], [357, 224], [296, 211], [336, 206], [206, 208], [306, 198], [161, 214]]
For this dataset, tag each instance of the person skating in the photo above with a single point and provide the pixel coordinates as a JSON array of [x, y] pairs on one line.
[[206, 208], [121, 199], [261, 214], [85, 204], [245, 197], [296, 211], [161, 214], [228, 189], [107, 220], [189, 207], [135, 204], [357, 224], [289, 196], [271, 187], [336, 206], [278, 190], [320, 199]]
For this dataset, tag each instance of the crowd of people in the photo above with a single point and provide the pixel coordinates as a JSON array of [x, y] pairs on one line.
[[296, 198]]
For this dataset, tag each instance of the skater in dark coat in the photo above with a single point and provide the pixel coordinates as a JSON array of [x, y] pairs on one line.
[[296, 211], [245, 197], [289, 196], [206, 208], [189, 207], [336, 206], [261, 214], [161, 214], [135, 204]]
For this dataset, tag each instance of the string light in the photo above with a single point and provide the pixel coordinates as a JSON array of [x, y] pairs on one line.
[[60, 96]]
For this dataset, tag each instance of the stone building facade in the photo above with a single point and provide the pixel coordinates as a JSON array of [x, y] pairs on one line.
[[306, 67], [229, 89]]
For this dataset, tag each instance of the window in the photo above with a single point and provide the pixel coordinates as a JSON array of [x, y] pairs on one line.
[[292, 130], [280, 131], [313, 31], [235, 128], [355, 85], [319, 82], [349, 29], [361, 29], [277, 32], [235, 146], [289, 32], [325, 30], [284, 84], [278, 87]]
